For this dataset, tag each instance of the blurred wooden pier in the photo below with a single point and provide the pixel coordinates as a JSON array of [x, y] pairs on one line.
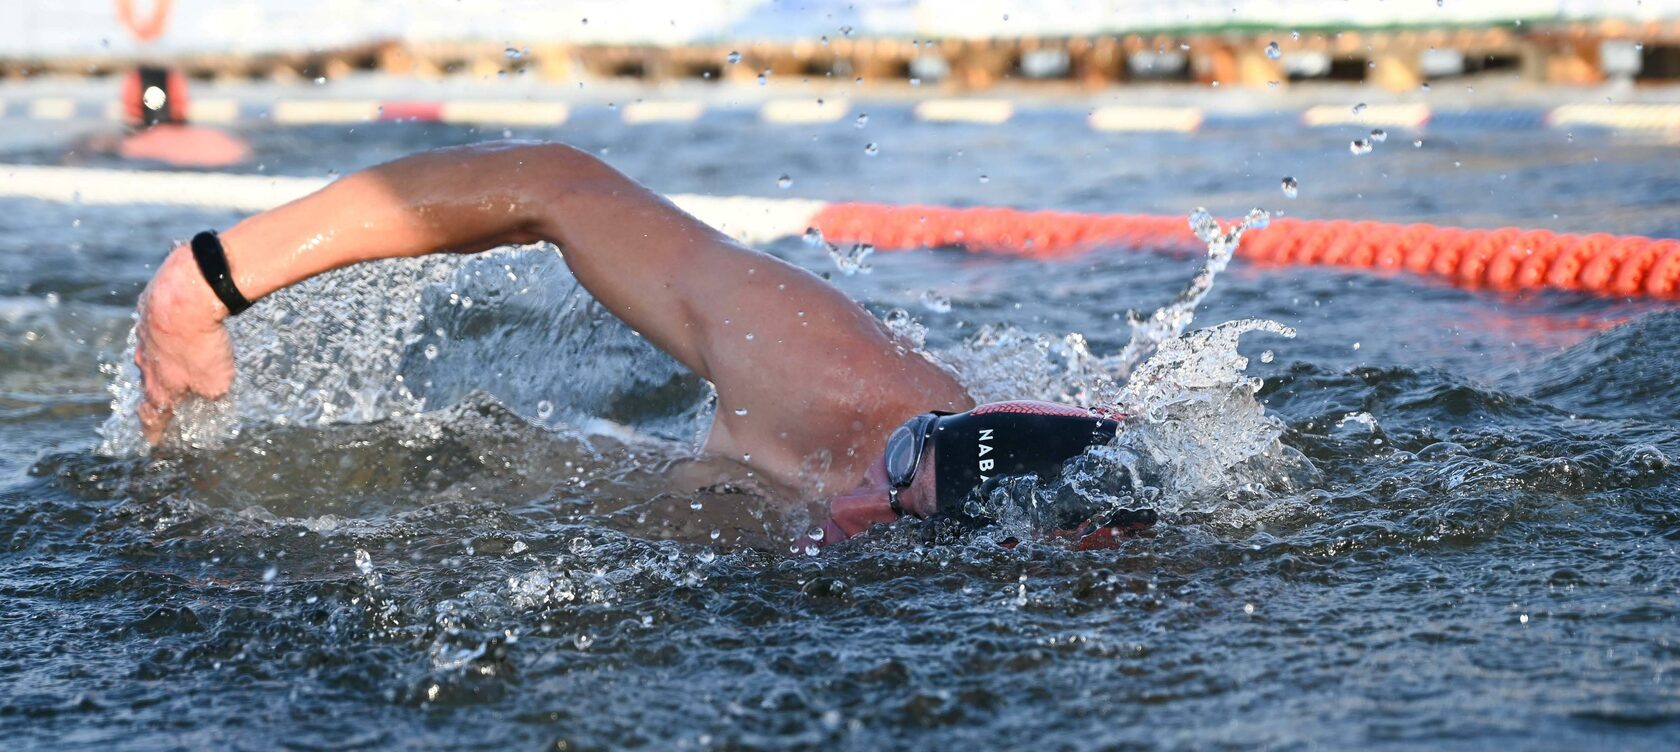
[[1574, 53]]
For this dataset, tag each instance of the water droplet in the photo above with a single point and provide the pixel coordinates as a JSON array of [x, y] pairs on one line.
[[764, 78], [1359, 109], [846, 30], [583, 641], [815, 533], [1379, 135], [741, 411], [716, 533], [545, 409], [519, 547], [1291, 188], [154, 98], [1425, 86], [933, 301], [696, 505], [812, 550], [749, 336], [734, 57], [984, 178], [863, 119], [271, 573], [364, 563], [513, 53], [1418, 144], [915, 82], [1248, 608], [431, 352], [52, 299], [1360, 146], [1294, 35], [871, 149], [813, 236], [706, 556], [1204, 225], [1523, 619], [320, 80], [851, 260], [1273, 52], [1267, 356]]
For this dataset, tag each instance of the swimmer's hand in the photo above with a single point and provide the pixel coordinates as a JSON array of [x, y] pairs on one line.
[[182, 348]]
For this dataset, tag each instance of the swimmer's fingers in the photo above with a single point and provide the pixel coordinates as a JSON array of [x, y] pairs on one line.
[[157, 404], [154, 420]]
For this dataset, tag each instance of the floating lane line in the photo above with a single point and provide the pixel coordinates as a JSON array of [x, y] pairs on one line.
[[52, 108], [662, 111], [983, 111], [219, 111], [323, 111], [1390, 115], [1111, 118], [803, 111], [505, 112], [1617, 116], [1140, 119]]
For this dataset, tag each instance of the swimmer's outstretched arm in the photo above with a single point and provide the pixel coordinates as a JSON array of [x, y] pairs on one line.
[[802, 372]]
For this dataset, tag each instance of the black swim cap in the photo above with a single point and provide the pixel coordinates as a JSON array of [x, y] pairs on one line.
[[1017, 438]]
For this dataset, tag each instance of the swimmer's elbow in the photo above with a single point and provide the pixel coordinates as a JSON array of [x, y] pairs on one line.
[[556, 176]]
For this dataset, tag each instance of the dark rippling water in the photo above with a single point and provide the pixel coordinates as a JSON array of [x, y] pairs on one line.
[[1492, 559]]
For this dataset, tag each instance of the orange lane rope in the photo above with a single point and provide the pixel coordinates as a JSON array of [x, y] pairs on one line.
[[148, 28], [1503, 259]]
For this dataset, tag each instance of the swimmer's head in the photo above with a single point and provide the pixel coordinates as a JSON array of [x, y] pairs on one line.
[[154, 96], [935, 462]]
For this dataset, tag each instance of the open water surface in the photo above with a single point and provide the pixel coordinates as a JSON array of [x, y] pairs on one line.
[[427, 529]]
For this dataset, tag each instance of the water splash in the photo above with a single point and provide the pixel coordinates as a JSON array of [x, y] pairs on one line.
[[1196, 439], [1171, 320], [392, 338]]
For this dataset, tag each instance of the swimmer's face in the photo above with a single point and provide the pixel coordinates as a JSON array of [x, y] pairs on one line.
[[871, 502], [920, 498]]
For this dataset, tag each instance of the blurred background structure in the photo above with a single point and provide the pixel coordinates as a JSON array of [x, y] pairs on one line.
[[957, 44]]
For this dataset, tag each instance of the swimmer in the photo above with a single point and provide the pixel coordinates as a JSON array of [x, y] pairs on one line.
[[155, 114], [802, 372]]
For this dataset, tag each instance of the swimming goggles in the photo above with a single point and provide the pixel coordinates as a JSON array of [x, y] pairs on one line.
[[904, 455]]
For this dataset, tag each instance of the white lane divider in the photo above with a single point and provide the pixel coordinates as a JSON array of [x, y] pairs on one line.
[[324, 111], [1141, 119], [505, 112], [219, 111], [803, 111], [987, 111], [52, 108], [1619, 116], [1391, 115], [662, 112], [745, 218]]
